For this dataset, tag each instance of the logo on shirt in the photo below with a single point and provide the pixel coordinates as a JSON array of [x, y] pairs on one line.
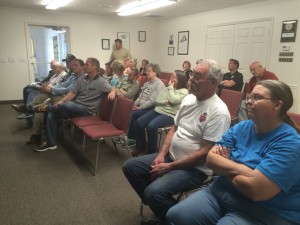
[[202, 117]]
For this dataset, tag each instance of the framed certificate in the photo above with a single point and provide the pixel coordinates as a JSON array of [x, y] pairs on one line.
[[288, 31], [105, 44]]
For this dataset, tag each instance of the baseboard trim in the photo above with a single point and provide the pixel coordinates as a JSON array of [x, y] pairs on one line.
[[11, 102]]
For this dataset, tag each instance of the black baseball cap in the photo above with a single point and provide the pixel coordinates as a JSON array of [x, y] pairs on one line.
[[69, 57]]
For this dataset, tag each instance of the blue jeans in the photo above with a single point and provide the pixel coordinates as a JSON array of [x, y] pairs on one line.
[[134, 116], [152, 120], [158, 193], [66, 110], [219, 204]]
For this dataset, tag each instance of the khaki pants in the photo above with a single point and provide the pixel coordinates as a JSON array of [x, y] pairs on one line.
[[38, 119]]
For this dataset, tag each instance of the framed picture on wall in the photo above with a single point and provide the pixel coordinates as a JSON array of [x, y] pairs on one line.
[[142, 36], [105, 44], [183, 43], [288, 31], [125, 37], [170, 50]]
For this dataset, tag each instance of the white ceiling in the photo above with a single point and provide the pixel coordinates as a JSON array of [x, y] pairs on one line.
[[109, 7]]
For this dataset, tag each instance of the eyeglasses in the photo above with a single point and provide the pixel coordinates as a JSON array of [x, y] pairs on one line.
[[197, 76], [256, 97]]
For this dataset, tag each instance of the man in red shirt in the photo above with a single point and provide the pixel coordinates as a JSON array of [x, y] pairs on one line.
[[259, 73]]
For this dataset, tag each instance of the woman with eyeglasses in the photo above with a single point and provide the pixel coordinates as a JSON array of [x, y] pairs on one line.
[[258, 163]]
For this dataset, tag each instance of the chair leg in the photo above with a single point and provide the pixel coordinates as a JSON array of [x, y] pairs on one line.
[[83, 144], [97, 156], [124, 137]]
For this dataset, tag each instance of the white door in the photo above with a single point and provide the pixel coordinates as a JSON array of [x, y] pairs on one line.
[[246, 42], [219, 45], [251, 43]]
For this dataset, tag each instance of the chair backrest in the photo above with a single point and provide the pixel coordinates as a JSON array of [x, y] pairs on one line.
[[233, 101], [165, 81], [106, 109], [245, 90], [295, 117], [165, 75], [142, 80], [122, 113]]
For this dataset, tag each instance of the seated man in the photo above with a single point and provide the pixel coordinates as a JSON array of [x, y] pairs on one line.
[[60, 73], [181, 163], [233, 80], [87, 95], [259, 73], [129, 86], [56, 93], [258, 166], [28, 89]]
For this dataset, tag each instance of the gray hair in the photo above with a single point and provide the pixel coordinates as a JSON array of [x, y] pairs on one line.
[[155, 68], [214, 70]]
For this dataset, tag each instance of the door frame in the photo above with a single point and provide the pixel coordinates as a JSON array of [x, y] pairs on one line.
[[28, 43]]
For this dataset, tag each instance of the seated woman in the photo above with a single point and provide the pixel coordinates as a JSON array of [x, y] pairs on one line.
[[145, 62], [258, 163], [118, 69], [186, 65], [146, 100], [167, 105]]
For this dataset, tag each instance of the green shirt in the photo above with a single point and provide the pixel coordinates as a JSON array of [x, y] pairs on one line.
[[130, 88], [168, 101]]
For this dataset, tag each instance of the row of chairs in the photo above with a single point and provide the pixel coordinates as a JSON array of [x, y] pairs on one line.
[[111, 122]]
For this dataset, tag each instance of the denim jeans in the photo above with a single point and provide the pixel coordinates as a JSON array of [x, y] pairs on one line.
[[134, 116], [152, 120], [158, 193], [66, 110], [219, 204]]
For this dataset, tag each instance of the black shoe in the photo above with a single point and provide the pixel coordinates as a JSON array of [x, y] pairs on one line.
[[19, 108], [34, 139], [44, 147]]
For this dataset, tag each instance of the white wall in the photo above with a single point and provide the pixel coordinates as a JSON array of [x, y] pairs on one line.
[[87, 31], [197, 25]]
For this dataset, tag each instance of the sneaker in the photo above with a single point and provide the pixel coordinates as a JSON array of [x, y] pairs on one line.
[[24, 116], [45, 146], [130, 143]]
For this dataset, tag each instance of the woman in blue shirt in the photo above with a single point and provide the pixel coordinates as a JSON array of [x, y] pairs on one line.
[[258, 161]]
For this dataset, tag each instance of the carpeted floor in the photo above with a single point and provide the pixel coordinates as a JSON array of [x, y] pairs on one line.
[[56, 187]]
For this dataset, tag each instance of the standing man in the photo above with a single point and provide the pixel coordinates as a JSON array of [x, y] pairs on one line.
[[180, 164], [232, 80], [87, 95], [119, 53], [259, 73]]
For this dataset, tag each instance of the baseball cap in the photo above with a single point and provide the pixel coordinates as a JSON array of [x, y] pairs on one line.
[[69, 57]]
